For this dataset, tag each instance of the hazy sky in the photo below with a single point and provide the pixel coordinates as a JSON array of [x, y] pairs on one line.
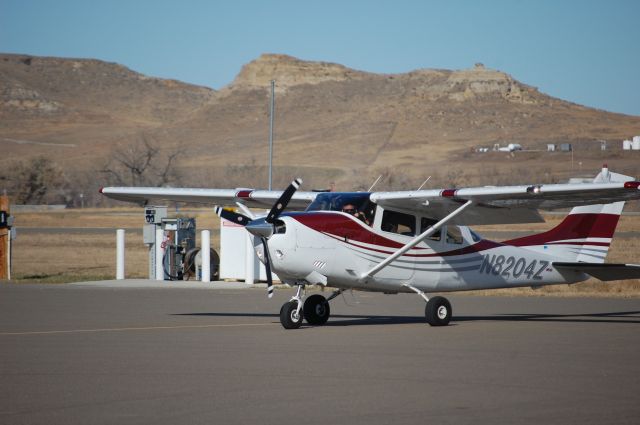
[[586, 52]]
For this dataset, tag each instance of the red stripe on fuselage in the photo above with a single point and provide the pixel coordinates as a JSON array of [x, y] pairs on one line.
[[574, 226], [585, 243], [472, 249], [344, 226], [349, 230]]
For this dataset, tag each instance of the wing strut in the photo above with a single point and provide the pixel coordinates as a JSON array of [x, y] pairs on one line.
[[415, 241]]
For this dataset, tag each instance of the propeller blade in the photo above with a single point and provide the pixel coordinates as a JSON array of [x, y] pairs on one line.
[[267, 266], [283, 201], [233, 217]]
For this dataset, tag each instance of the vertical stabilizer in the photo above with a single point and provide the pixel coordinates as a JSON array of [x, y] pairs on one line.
[[585, 234]]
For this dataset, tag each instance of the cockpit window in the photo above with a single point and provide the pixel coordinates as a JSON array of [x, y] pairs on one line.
[[425, 223], [454, 235], [356, 204]]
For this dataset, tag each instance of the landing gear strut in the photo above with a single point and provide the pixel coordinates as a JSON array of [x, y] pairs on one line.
[[314, 309], [291, 312], [438, 309]]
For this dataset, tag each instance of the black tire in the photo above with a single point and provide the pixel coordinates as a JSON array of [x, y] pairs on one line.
[[438, 311], [288, 316], [316, 310]]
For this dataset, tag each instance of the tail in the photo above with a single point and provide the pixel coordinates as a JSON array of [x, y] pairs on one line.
[[585, 235]]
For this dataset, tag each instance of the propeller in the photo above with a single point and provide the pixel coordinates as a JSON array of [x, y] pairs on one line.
[[232, 216], [263, 227], [283, 201], [267, 266]]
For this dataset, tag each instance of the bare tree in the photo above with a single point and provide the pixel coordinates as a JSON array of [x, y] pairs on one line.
[[142, 163], [35, 181]]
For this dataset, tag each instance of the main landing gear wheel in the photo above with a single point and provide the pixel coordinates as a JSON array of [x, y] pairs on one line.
[[316, 310], [289, 316], [438, 311]]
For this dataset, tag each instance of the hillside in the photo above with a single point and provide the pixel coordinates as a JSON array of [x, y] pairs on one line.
[[332, 123]]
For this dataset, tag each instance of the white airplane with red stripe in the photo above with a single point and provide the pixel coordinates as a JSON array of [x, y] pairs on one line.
[[419, 241]]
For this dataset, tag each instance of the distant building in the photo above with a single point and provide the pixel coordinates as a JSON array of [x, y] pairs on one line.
[[551, 147], [514, 147], [565, 147], [511, 147]]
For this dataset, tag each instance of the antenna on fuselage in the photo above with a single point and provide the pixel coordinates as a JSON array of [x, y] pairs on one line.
[[375, 183], [423, 183]]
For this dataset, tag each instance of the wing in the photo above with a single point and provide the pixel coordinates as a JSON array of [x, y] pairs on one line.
[[249, 197], [509, 204]]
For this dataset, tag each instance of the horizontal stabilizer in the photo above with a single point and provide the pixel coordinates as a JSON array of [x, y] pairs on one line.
[[603, 271]]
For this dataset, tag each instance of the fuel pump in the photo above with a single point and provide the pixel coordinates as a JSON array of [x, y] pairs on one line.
[[172, 244], [180, 238], [153, 216]]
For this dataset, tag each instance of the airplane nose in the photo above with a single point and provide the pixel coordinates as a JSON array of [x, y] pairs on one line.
[[260, 228]]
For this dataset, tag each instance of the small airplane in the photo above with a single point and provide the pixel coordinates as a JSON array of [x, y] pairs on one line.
[[418, 241]]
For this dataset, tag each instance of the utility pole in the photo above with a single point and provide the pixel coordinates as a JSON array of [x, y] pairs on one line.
[[273, 85]]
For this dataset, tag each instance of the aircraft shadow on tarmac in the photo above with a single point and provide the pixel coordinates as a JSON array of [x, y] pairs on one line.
[[367, 320]]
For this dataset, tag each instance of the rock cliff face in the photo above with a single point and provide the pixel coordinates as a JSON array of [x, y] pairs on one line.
[[289, 71], [479, 81], [328, 117], [434, 84], [15, 96]]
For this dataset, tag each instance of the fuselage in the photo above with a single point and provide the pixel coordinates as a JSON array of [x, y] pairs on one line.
[[342, 249]]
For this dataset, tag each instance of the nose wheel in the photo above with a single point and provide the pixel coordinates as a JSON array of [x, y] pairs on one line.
[[315, 310], [290, 317]]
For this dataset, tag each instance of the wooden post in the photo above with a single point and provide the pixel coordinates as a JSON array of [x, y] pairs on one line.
[[4, 240]]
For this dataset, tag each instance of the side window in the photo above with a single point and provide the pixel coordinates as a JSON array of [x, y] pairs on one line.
[[454, 235], [425, 223], [476, 237], [396, 222]]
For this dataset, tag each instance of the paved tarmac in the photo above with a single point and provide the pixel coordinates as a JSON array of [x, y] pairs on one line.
[[100, 354]]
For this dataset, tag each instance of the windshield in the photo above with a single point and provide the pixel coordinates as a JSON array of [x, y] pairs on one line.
[[354, 203]]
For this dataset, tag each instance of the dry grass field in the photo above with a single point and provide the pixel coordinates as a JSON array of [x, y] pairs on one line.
[[44, 253]]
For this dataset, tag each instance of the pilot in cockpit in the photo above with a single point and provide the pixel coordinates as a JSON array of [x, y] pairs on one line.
[[351, 209]]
